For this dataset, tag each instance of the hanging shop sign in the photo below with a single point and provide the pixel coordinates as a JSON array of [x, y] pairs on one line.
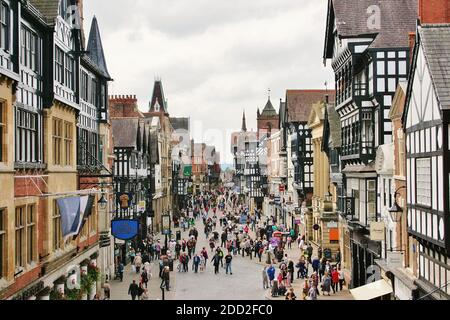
[[141, 206], [349, 206], [166, 224], [316, 227], [124, 200], [124, 229], [377, 231]]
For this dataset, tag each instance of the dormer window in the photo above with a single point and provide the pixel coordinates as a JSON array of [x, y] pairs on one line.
[[157, 107]]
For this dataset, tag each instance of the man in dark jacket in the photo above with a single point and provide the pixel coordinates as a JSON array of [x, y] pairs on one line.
[[224, 239], [228, 259], [133, 290], [196, 263], [216, 262]]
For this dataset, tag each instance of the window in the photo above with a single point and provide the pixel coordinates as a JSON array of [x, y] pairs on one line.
[[4, 26], [423, 182], [27, 142], [20, 236], [2, 131], [68, 143], [25, 225], [56, 225], [30, 49], [84, 86], [371, 200], [57, 141], [68, 79], [59, 65], [2, 242], [31, 227]]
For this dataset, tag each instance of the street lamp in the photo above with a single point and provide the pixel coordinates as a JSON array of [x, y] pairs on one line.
[[166, 227], [396, 211], [102, 202]]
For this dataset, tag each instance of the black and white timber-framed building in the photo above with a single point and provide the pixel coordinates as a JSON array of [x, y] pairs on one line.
[[369, 54]]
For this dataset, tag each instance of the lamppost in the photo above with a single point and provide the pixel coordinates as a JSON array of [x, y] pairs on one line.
[[166, 228]]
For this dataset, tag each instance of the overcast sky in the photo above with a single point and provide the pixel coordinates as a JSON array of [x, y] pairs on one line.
[[216, 58]]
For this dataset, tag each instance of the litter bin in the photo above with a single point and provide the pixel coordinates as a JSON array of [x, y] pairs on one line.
[[178, 235]]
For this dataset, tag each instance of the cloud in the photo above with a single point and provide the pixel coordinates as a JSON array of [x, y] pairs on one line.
[[215, 58]]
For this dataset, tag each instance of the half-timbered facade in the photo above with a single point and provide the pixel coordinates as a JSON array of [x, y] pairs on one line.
[[426, 121], [369, 53]]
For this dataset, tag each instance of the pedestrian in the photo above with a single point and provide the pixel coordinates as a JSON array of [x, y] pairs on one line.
[[290, 270], [289, 242], [335, 280], [196, 263], [166, 277], [312, 293], [341, 278], [271, 274], [305, 291], [120, 269], [133, 290], [228, 259], [326, 283], [144, 278], [216, 262], [265, 278], [315, 264], [291, 295], [107, 290]]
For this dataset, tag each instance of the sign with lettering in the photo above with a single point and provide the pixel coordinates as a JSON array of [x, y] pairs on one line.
[[124, 229], [349, 206], [377, 231], [166, 224]]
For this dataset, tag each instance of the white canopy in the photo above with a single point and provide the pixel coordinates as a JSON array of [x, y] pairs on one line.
[[372, 290]]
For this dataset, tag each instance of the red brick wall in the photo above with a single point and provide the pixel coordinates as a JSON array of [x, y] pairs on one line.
[[434, 11], [123, 107], [25, 187], [21, 282]]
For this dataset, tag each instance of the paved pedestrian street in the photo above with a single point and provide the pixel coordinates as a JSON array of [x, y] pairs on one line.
[[244, 284]]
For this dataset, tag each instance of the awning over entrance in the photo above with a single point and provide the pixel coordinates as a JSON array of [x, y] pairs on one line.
[[372, 290]]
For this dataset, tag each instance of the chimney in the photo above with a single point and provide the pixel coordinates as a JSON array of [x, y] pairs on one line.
[[434, 11]]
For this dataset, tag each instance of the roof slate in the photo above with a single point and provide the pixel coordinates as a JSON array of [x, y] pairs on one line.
[[48, 8], [180, 123], [436, 45], [125, 132], [299, 103], [269, 111], [397, 19]]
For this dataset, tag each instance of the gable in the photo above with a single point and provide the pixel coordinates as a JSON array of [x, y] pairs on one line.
[[423, 105]]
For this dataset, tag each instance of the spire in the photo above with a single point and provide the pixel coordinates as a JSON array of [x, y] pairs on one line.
[[244, 123], [159, 102], [95, 49]]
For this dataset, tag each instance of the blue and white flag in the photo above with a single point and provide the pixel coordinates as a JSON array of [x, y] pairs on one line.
[[73, 210]]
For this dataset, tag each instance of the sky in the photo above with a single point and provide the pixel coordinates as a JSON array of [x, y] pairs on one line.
[[215, 58]]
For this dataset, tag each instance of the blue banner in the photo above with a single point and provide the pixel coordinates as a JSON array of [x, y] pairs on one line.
[[124, 229], [69, 209]]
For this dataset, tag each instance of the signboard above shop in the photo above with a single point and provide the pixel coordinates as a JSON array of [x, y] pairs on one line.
[[124, 229]]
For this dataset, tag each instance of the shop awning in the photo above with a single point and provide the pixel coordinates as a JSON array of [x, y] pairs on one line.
[[372, 290]]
